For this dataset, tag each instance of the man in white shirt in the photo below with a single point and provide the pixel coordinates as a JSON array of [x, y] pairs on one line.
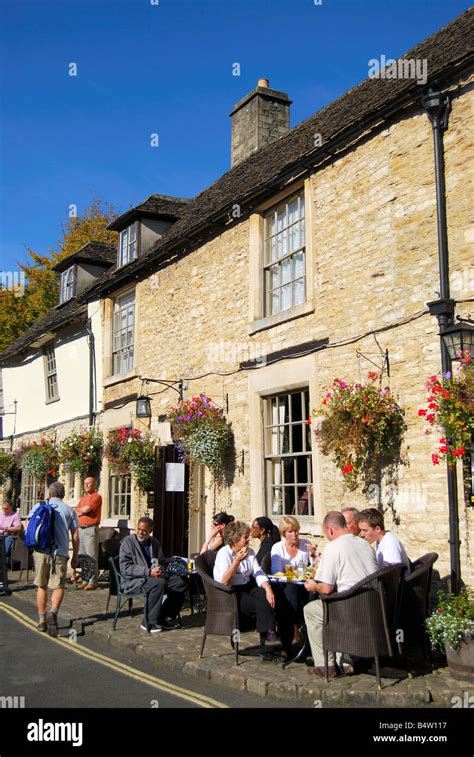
[[388, 548], [346, 560]]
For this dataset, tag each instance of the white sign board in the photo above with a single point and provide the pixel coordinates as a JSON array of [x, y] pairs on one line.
[[175, 477]]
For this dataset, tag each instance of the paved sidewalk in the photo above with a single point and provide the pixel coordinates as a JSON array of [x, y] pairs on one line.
[[179, 650]]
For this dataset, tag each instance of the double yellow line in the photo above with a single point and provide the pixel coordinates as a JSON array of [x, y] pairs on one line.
[[119, 667]]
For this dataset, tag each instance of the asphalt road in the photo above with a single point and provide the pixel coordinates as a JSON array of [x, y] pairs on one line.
[[69, 673]]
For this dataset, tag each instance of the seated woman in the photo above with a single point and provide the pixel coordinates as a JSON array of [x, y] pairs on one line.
[[237, 566], [291, 550], [268, 534], [214, 539]]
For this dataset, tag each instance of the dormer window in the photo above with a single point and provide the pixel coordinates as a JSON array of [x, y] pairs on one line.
[[67, 284], [128, 244]]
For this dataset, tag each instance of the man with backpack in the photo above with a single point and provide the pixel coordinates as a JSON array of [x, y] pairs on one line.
[[47, 532]]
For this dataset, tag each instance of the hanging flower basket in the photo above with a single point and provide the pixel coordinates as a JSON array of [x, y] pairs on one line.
[[7, 465], [81, 451], [361, 428], [451, 410], [39, 459], [130, 451], [199, 429]]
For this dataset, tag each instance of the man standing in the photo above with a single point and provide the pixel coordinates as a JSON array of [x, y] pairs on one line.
[[10, 526], [142, 565], [346, 560], [388, 548], [351, 515], [88, 512], [50, 569]]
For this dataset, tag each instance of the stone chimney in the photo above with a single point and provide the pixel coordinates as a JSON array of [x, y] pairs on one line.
[[258, 119]]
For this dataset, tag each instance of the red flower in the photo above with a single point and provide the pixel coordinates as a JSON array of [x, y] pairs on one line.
[[422, 412], [347, 469], [442, 441], [430, 418], [435, 459], [440, 610], [443, 449], [458, 452], [433, 406], [308, 422], [373, 375]]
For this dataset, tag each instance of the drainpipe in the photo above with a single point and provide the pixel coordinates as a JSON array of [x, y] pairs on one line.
[[437, 107], [90, 334]]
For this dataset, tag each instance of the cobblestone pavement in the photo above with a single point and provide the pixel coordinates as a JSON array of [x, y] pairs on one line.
[[179, 650]]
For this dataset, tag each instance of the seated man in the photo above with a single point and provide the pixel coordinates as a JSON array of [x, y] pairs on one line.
[[351, 515], [346, 560], [10, 526], [388, 548], [142, 565]]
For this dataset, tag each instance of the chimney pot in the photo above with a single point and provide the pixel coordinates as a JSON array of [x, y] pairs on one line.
[[263, 83]]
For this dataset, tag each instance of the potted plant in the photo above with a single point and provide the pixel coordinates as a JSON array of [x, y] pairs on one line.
[[199, 428], [361, 427], [130, 451], [7, 465], [451, 409], [81, 451], [451, 629], [39, 459]]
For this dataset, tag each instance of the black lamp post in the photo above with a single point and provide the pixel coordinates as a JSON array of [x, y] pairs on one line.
[[437, 107]]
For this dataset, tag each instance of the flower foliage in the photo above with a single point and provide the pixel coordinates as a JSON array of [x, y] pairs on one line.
[[39, 459], [82, 451], [452, 620], [200, 429], [451, 409], [7, 465], [360, 425], [130, 451]]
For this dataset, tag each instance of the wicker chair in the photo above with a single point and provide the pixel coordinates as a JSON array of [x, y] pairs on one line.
[[414, 605], [358, 621], [222, 617]]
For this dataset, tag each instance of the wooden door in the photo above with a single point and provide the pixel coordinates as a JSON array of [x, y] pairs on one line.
[[170, 510]]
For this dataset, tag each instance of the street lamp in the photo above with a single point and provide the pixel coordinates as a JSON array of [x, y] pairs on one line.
[[143, 409], [458, 338], [437, 107]]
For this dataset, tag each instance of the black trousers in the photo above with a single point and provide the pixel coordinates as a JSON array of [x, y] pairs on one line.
[[290, 601], [252, 603], [174, 588]]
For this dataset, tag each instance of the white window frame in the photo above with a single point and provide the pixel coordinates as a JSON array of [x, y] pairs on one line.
[[50, 374], [32, 491], [280, 433], [128, 244], [120, 495], [123, 334], [284, 256], [68, 280]]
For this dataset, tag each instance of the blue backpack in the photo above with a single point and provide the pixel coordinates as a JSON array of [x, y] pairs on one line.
[[40, 529]]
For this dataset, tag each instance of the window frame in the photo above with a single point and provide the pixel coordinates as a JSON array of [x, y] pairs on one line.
[[34, 486], [267, 263], [125, 492], [272, 456], [117, 352], [50, 374], [68, 282], [128, 257]]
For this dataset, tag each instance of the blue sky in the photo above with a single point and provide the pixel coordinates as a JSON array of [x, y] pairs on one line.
[[166, 69]]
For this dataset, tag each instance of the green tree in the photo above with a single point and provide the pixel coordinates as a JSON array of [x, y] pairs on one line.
[[18, 313]]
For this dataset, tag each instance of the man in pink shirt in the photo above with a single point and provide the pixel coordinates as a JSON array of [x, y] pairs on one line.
[[10, 526]]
